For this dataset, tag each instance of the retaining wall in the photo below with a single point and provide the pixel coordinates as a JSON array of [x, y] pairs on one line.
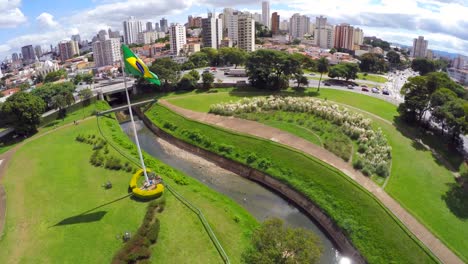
[[327, 225]]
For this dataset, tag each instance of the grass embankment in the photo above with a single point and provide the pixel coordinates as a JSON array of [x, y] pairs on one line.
[[371, 77], [55, 196], [418, 180], [376, 234]]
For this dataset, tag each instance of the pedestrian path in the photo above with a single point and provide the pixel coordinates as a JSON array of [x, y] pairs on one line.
[[256, 129]]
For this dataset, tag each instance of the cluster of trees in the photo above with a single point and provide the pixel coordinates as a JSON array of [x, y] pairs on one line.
[[375, 42], [273, 69], [272, 242], [87, 78], [55, 76], [346, 71], [425, 66], [22, 111], [435, 97], [212, 57], [371, 62]]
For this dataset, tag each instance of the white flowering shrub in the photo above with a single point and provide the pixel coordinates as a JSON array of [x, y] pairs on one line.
[[374, 154]]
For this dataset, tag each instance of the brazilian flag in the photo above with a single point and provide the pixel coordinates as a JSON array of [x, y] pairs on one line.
[[136, 67]]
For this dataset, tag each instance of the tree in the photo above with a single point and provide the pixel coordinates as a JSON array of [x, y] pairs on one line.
[[417, 97], [212, 55], [24, 86], [301, 80], [49, 90], [322, 67], [199, 59], [271, 69], [393, 57], [167, 70], [195, 75], [233, 56], [296, 42], [371, 62], [423, 66], [274, 243], [23, 111], [208, 80], [187, 82], [85, 96], [351, 70], [332, 51], [55, 76]]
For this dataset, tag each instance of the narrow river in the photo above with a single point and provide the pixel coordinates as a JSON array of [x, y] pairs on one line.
[[258, 200]]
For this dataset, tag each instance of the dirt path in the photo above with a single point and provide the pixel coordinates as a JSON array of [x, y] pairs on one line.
[[4, 161], [259, 130]]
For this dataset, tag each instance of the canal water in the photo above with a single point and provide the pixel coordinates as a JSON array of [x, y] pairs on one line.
[[256, 199]]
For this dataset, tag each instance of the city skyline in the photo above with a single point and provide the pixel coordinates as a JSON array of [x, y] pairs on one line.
[[47, 22]]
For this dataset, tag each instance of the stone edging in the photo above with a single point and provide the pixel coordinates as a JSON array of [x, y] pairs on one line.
[[329, 227]]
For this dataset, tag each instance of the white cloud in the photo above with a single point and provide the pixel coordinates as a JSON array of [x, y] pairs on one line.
[[10, 14], [46, 20]]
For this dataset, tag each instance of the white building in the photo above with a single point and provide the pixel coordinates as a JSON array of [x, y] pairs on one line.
[[358, 38], [46, 67], [148, 37], [106, 51], [212, 31], [246, 33], [419, 47], [230, 24], [131, 29], [461, 76], [177, 38], [284, 25], [266, 16], [324, 34], [298, 26], [1, 74]]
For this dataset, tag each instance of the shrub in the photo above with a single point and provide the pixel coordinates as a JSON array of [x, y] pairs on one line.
[[169, 126], [113, 163], [357, 164], [228, 149], [154, 231], [251, 158], [264, 164]]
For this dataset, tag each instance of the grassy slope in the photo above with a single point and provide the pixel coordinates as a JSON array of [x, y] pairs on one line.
[[57, 190], [417, 181], [372, 78], [372, 229]]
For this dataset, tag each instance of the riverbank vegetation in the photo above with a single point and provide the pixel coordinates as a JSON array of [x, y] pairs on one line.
[[376, 234]]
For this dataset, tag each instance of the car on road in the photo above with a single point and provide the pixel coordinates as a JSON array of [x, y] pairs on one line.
[[375, 90], [327, 84], [350, 86], [385, 92], [364, 88]]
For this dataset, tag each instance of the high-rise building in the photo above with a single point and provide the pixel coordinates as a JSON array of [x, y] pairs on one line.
[[194, 22], [131, 29], [266, 13], [149, 26], [28, 54], [156, 27], [106, 51], [246, 33], [284, 25], [113, 34], [459, 62], [419, 47], [68, 49], [177, 38], [148, 37], [298, 26], [358, 38], [275, 23], [230, 24], [76, 38], [163, 24], [257, 17], [102, 34], [38, 51], [14, 57], [344, 36], [212, 31], [324, 33], [1, 74]]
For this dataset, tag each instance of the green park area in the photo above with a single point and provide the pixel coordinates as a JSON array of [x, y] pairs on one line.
[[419, 180], [371, 77], [58, 208], [377, 235]]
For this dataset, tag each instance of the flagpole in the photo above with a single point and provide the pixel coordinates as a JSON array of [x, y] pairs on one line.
[[133, 121]]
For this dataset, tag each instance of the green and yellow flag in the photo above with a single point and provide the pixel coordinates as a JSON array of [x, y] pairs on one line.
[[135, 66]]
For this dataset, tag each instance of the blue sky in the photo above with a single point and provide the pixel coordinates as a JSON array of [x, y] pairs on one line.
[[43, 22]]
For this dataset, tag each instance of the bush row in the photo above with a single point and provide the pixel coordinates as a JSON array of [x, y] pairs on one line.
[[137, 249]]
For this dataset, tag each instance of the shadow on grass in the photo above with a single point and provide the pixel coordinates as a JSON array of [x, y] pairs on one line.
[[457, 199], [444, 152], [88, 216]]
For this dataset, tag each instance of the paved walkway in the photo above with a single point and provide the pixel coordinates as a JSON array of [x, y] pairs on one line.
[[439, 249]]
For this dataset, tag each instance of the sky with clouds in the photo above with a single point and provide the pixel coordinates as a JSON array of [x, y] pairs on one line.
[[43, 22]]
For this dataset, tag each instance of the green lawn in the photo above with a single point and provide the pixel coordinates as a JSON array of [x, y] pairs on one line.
[[418, 181], [372, 78], [57, 209], [373, 230]]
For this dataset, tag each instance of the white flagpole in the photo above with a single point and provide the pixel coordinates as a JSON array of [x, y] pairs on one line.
[[133, 122]]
